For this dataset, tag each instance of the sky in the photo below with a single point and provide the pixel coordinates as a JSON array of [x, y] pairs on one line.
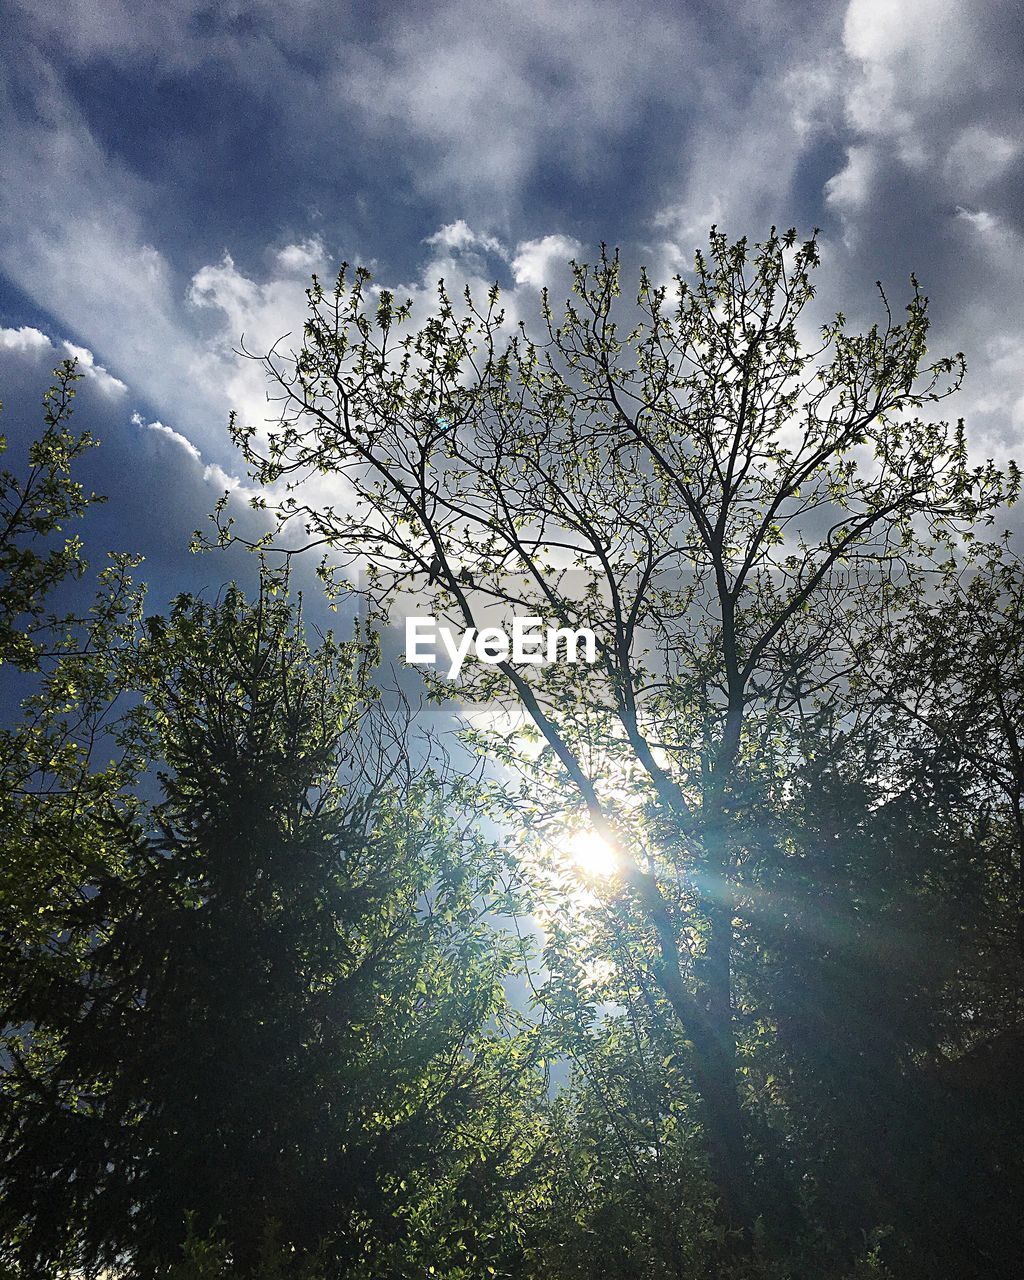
[[173, 172]]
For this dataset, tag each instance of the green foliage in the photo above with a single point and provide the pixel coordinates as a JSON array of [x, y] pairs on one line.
[[270, 1009], [253, 955], [60, 800], [36, 555], [746, 519]]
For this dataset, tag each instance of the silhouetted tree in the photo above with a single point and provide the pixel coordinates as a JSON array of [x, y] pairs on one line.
[[270, 1021], [728, 508]]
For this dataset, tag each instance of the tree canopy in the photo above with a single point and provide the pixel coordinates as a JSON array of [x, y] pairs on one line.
[[309, 1004]]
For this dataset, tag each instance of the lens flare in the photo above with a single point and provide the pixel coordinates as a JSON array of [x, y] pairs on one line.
[[592, 854]]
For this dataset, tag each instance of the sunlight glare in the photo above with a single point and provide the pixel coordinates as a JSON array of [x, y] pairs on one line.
[[592, 854]]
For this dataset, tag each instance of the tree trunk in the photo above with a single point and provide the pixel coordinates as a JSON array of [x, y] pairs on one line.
[[716, 1077], [710, 1030]]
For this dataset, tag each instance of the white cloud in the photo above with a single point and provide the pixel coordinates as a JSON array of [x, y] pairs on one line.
[[223, 286], [907, 57], [931, 39], [932, 107], [31, 341], [485, 90], [260, 313], [177, 34], [215, 474], [303, 257], [459, 235], [265, 309], [534, 259], [24, 340], [106, 382], [978, 157], [980, 219], [812, 91], [999, 242], [852, 187], [476, 101], [749, 138], [181, 441], [921, 75], [72, 238]]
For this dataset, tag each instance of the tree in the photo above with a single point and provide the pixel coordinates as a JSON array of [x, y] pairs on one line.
[[728, 508], [59, 793], [33, 508], [955, 672], [269, 1025], [946, 691]]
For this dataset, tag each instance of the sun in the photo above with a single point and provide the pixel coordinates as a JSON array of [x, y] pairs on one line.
[[592, 854]]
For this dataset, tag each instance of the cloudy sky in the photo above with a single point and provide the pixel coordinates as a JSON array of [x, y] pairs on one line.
[[172, 172]]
